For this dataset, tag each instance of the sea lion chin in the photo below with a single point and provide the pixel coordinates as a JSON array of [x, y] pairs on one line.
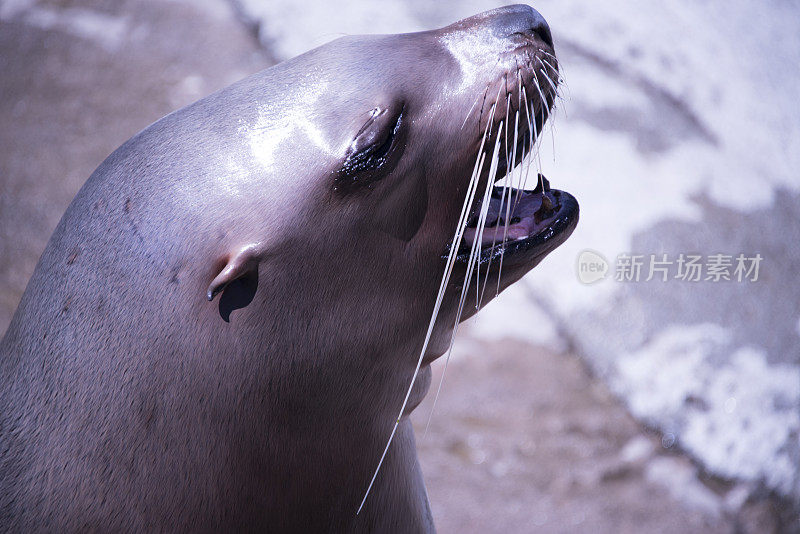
[[314, 204]]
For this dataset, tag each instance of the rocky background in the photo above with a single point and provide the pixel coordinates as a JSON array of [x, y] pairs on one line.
[[615, 406]]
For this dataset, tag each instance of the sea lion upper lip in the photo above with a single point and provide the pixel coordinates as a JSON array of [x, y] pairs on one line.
[[532, 64]]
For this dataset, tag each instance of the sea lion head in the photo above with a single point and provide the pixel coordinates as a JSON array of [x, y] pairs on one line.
[[379, 138]]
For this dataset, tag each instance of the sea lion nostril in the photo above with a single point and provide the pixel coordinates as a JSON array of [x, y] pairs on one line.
[[536, 26], [542, 31], [521, 20]]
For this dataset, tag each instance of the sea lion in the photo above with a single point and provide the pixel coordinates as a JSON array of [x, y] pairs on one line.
[[314, 204]]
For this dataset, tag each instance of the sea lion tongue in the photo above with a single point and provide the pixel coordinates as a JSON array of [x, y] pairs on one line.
[[528, 213]]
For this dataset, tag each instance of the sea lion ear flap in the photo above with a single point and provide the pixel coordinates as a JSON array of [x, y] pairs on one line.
[[241, 264]]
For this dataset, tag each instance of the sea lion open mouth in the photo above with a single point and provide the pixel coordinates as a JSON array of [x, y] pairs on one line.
[[539, 217], [506, 221]]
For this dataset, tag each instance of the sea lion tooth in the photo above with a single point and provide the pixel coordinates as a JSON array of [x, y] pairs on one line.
[[547, 204], [542, 184]]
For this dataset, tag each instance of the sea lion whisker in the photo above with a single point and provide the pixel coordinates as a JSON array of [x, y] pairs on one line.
[[555, 94], [543, 51], [483, 213], [512, 158], [532, 151], [474, 258], [503, 203], [451, 258], [535, 143], [552, 122], [480, 115], [521, 97], [558, 76], [489, 188], [556, 68], [470, 195], [507, 206], [523, 175], [561, 82], [539, 176], [547, 63], [470, 111], [546, 77], [544, 103], [518, 172], [559, 69], [490, 179], [507, 188], [542, 61]]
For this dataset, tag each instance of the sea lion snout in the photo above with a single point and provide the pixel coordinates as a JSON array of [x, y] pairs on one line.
[[509, 21]]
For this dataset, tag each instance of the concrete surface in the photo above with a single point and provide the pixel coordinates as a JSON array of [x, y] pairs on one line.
[[79, 78], [524, 439]]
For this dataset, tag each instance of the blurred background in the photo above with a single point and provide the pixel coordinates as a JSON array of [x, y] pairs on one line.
[[618, 405]]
